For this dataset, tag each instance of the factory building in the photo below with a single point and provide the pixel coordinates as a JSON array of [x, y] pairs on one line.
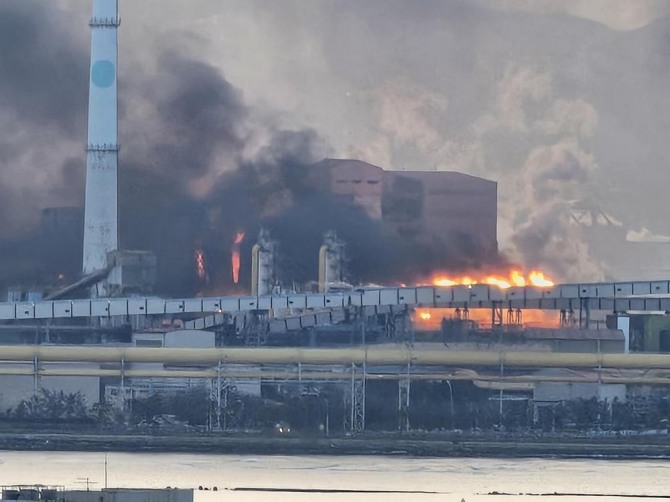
[[450, 212], [425, 206]]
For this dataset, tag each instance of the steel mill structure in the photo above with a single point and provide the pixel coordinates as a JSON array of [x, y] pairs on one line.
[[168, 343]]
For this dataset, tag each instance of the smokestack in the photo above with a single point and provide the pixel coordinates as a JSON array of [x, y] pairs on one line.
[[100, 218]]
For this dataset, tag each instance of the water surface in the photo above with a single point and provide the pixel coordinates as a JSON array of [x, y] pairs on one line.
[[400, 478]]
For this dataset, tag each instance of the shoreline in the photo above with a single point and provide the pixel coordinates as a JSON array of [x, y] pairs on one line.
[[623, 448]]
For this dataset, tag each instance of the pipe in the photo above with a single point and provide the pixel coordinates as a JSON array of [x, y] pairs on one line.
[[282, 375], [371, 356]]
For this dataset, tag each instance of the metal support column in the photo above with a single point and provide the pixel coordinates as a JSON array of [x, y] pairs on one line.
[[514, 317], [255, 330], [501, 397], [496, 314], [225, 388], [217, 389], [126, 396], [462, 313], [36, 374], [364, 322], [359, 400], [389, 326], [403, 325], [403, 402], [567, 319], [584, 313], [123, 374]]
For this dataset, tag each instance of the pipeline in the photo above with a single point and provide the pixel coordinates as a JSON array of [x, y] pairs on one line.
[[370, 356], [334, 375]]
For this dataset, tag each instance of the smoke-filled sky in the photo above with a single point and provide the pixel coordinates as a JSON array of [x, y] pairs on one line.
[[559, 101]]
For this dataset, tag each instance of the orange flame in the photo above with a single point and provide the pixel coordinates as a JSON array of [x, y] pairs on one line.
[[538, 279], [235, 256], [496, 281], [517, 278], [444, 282], [503, 281], [430, 319]]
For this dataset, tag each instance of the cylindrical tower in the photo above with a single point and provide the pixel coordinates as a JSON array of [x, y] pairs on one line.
[[323, 267], [263, 273], [255, 258], [332, 262], [101, 209]]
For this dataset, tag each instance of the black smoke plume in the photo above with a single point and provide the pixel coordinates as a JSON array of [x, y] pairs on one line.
[[43, 89], [195, 168]]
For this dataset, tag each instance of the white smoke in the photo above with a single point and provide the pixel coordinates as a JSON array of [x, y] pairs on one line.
[[621, 15], [408, 115], [552, 177], [533, 142]]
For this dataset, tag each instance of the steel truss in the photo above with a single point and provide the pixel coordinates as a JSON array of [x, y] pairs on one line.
[[354, 400]]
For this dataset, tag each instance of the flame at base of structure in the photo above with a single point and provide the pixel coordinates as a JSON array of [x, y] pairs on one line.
[[235, 256], [505, 280]]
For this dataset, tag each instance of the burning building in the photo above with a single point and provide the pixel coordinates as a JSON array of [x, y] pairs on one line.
[[453, 213]]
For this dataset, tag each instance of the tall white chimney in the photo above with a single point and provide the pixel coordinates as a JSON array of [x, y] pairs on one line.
[[101, 210]]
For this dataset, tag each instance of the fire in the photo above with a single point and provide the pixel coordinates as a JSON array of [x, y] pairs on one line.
[[503, 281], [200, 268], [430, 319], [239, 237], [496, 281], [538, 279], [517, 278], [235, 256]]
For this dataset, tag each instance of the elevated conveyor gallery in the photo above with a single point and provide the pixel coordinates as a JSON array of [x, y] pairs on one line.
[[613, 297]]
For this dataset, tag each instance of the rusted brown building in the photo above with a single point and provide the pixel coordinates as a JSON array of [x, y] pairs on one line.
[[457, 209]]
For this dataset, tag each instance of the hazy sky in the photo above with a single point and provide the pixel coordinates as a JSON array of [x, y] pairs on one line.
[[556, 100]]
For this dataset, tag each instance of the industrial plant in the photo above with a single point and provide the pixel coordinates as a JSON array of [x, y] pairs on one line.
[[348, 298]]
